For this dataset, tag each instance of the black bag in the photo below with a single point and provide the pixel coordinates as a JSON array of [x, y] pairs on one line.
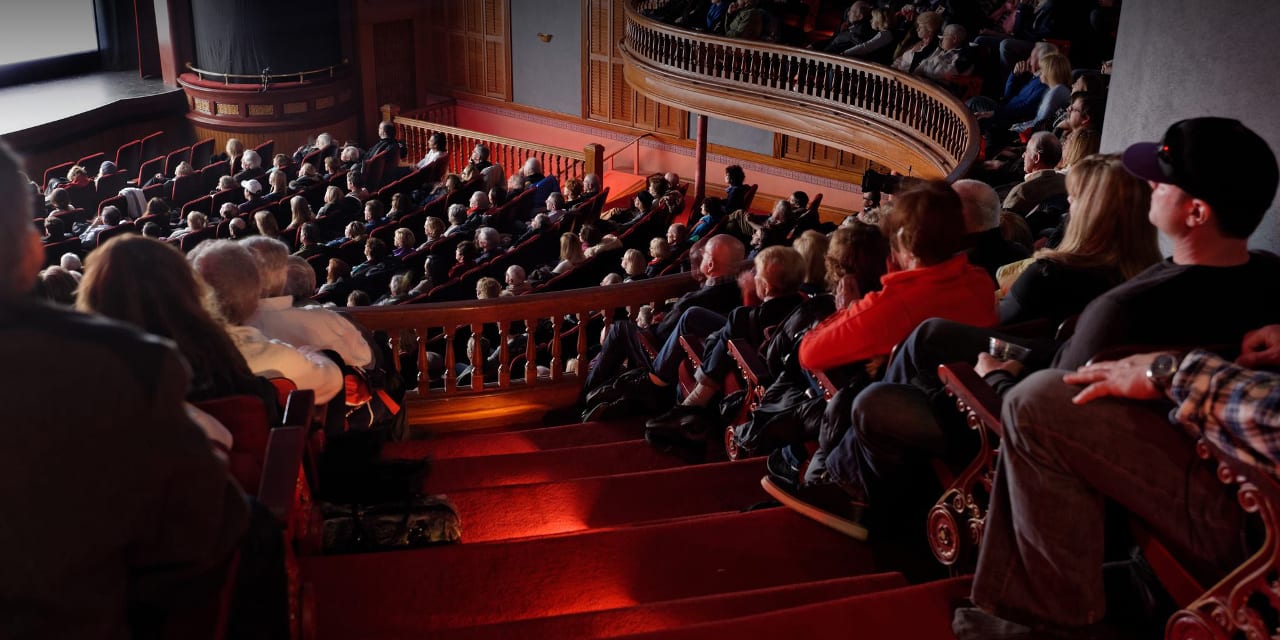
[[420, 521]]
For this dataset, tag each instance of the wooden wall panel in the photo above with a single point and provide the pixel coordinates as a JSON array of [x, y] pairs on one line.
[[606, 25], [394, 63]]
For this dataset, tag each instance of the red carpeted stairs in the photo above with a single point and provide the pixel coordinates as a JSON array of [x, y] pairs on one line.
[[583, 531]]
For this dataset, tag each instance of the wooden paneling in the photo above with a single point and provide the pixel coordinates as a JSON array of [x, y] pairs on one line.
[[394, 63], [609, 98]]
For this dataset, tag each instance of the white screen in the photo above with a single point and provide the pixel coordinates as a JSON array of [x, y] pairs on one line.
[[46, 28]]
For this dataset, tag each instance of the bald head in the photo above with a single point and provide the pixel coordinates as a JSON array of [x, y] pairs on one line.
[[723, 256], [981, 205]]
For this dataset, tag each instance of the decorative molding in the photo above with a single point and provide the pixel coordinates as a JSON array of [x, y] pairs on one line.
[[291, 108], [262, 109], [597, 132], [227, 109], [203, 106], [324, 102]]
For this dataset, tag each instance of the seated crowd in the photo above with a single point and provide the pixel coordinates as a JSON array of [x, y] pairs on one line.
[[1050, 246]]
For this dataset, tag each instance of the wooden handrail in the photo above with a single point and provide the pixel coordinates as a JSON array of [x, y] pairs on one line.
[[508, 152], [880, 113], [434, 328]]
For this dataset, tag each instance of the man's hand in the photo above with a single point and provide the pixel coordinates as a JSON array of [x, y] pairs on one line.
[[1125, 378], [1022, 67], [988, 363], [1261, 348]]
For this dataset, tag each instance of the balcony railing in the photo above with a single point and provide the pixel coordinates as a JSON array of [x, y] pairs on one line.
[[873, 111]]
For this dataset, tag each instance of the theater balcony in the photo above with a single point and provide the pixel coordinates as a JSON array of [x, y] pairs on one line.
[[907, 123]]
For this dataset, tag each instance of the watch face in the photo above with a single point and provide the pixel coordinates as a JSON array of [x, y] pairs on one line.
[[1162, 369]]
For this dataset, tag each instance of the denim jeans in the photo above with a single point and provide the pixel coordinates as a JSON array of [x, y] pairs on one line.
[[1060, 463], [695, 321]]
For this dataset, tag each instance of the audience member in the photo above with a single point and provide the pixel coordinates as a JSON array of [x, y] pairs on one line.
[[1042, 182], [987, 247]]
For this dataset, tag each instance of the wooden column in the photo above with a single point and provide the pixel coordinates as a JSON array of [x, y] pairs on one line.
[[594, 159], [174, 38], [389, 112], [700, 160]]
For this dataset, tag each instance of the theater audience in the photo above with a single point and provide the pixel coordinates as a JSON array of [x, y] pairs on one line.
[[1108, 240], [251, 166], [252, 196], [660, 253], [307, 178], [912, 51], [436, 150], [276, 318], [157, 524], [265, 222], [718, 269], [404, 243], [1055, 72], [1127, 452]]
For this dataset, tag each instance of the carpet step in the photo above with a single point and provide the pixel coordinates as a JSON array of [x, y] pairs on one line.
[[487, 444], [452, 474], [677, 613], [508, 512], [919, 612], [416, 591]]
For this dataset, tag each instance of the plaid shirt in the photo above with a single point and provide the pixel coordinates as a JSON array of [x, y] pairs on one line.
[[1236, 409]]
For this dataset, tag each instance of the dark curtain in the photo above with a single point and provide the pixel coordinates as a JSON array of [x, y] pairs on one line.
[[252, 37], [116, 38]]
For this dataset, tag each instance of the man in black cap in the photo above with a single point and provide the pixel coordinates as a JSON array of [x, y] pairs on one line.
[[1062, 461]]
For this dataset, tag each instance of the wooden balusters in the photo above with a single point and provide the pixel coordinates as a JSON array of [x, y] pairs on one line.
[[450, 361], [476, 356]]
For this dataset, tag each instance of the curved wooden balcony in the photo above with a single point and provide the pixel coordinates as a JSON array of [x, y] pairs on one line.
[[904, 122]]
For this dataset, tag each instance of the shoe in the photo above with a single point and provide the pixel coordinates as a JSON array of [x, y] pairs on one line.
[[603, 393], [783, 473], [605, 410], [826, 503], [677, 417], [690, 450]]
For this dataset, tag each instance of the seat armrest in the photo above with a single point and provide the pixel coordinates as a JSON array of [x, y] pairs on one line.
[[693, 346], [752, 366], [279, 482], [979, 400]]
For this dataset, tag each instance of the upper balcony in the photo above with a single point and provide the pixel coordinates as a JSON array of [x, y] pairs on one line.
[[904, 122]]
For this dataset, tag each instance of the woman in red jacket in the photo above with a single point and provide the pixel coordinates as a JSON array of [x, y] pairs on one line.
[[932, 278]]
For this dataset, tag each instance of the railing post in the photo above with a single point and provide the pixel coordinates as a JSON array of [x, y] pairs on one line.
[[593, 159], [700, 160], [389, 112]]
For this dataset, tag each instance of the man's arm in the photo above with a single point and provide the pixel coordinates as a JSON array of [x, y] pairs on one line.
[[1237, 409]]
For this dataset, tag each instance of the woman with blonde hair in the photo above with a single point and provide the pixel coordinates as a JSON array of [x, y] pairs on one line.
[[1080, 144], [912, 51], [300, 210], [571, 253], [812, 246], [1055, 73], [1108, 240]]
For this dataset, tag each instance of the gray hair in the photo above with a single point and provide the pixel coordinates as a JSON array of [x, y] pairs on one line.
[[480, 200], [272, 258], [301, 280], [981, 205], [490, 237], [457, 213], [71, 262], [231, 273], [250, 159]]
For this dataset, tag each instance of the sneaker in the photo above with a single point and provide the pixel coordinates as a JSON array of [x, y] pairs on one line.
[[783, 473], [825, 503], [677, 417]]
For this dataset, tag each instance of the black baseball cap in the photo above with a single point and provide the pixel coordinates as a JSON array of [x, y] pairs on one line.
[[1218, 160]]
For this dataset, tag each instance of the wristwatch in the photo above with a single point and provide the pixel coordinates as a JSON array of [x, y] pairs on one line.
[[1162, 370]]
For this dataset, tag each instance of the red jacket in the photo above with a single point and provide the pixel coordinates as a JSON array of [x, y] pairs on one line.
[[954, 289]]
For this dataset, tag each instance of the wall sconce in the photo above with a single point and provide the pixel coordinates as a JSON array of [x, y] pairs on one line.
[[545, 37]]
